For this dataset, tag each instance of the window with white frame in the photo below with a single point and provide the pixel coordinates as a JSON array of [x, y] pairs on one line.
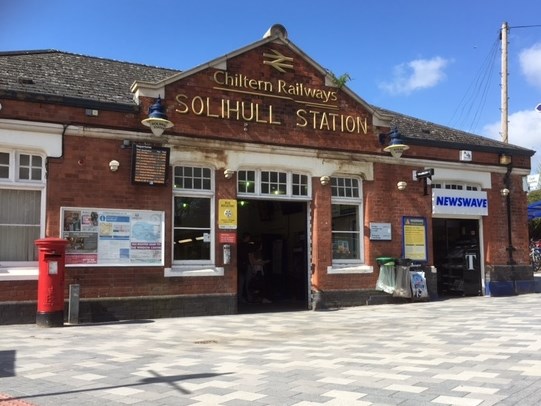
[[21, 196], [278, 184], [193, 207], [455, 186], [347, 227]]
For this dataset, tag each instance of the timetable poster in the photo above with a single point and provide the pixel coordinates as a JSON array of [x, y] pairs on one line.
[[414, 243], [101, 237]]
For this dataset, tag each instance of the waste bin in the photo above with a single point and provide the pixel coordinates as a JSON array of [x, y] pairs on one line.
[[50, 309], [387, 279]]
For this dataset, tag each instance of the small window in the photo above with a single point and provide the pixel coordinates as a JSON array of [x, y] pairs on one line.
[[30, 167], [274, 183], [4, 165], [300, 185], [455, 186], [195, 178], [345, 187], [246, 181]]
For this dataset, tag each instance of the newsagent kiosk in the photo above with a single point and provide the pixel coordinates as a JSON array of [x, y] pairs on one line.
[[154, 176]]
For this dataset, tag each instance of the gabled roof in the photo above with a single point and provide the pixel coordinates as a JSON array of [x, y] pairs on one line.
[[421, 132], [60, 74], [62, 77]]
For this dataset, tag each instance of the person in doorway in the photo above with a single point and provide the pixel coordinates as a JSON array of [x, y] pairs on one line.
[[256, 277], [246, 246]]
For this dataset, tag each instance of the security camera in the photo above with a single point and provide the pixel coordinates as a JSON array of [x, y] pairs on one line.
[[424, 174]]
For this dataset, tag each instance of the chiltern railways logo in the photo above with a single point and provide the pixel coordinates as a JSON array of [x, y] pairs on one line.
[[278, 61]]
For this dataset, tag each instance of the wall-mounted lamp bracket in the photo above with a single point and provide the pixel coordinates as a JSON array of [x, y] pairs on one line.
[[157, 119], [395, 143]]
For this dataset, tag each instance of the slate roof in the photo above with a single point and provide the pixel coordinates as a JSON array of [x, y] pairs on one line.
[[66, 77], [420, 132], [72, 76]]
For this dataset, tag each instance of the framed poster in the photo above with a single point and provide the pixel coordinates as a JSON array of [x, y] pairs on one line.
[[227, 214], [109, 237], [414, 244]]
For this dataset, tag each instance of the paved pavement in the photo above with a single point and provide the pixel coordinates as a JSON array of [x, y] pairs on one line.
[[464, 351]]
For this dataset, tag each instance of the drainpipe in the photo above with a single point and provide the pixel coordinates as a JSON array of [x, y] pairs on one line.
[[507, 183]]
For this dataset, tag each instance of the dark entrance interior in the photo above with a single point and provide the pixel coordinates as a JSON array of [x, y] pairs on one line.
[[280, 228], [457, 257]]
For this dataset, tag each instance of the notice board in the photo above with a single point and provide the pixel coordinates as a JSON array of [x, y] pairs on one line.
[[414, 244], [108, 237]]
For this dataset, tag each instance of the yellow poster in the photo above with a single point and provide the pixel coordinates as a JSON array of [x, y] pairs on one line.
[[415, 238], [227, 214]]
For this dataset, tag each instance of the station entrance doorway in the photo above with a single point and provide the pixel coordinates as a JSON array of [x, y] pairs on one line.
[[280, 230], [457, 256]]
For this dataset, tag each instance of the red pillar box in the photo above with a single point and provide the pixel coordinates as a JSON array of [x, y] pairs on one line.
[[51, 281]]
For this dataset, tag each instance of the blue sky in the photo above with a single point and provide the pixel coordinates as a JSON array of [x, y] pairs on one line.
[[435, 60]]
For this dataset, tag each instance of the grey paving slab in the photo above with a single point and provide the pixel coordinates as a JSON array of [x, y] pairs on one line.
[[465, 351]]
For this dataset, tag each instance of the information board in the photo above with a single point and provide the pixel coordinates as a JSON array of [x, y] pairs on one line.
[[380, 231], [150, 164], [414, 238], [107, 237]]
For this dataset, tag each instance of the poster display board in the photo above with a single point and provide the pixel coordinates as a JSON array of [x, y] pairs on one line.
[[107, 237], [414, 238]]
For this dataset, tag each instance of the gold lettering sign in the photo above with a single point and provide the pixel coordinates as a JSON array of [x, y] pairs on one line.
[[318, 107], [149, 164], [265, 114]]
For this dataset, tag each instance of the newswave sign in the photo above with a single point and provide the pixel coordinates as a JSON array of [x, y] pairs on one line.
[[465, 202]]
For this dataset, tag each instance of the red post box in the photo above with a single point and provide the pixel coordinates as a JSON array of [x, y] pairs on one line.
[[51, 281]]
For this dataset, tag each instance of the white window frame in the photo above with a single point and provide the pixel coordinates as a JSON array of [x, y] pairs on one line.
[[30, 167], [204, 267], [453, 185], [288, 195], [350, 265], [23, 270]]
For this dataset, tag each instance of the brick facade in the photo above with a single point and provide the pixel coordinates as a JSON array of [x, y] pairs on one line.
[[287, 126]]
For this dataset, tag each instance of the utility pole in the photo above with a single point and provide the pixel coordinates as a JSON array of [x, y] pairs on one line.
[[505, 98]]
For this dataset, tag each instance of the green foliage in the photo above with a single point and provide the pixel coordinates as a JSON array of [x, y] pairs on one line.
[[339, 81], [534, 196]]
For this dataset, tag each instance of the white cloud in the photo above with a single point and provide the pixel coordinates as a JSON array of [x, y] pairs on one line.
[[524, 131], [530, 63], [415, 75]]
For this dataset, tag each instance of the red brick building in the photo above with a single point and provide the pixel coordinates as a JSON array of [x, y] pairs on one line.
[[263, 140]]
